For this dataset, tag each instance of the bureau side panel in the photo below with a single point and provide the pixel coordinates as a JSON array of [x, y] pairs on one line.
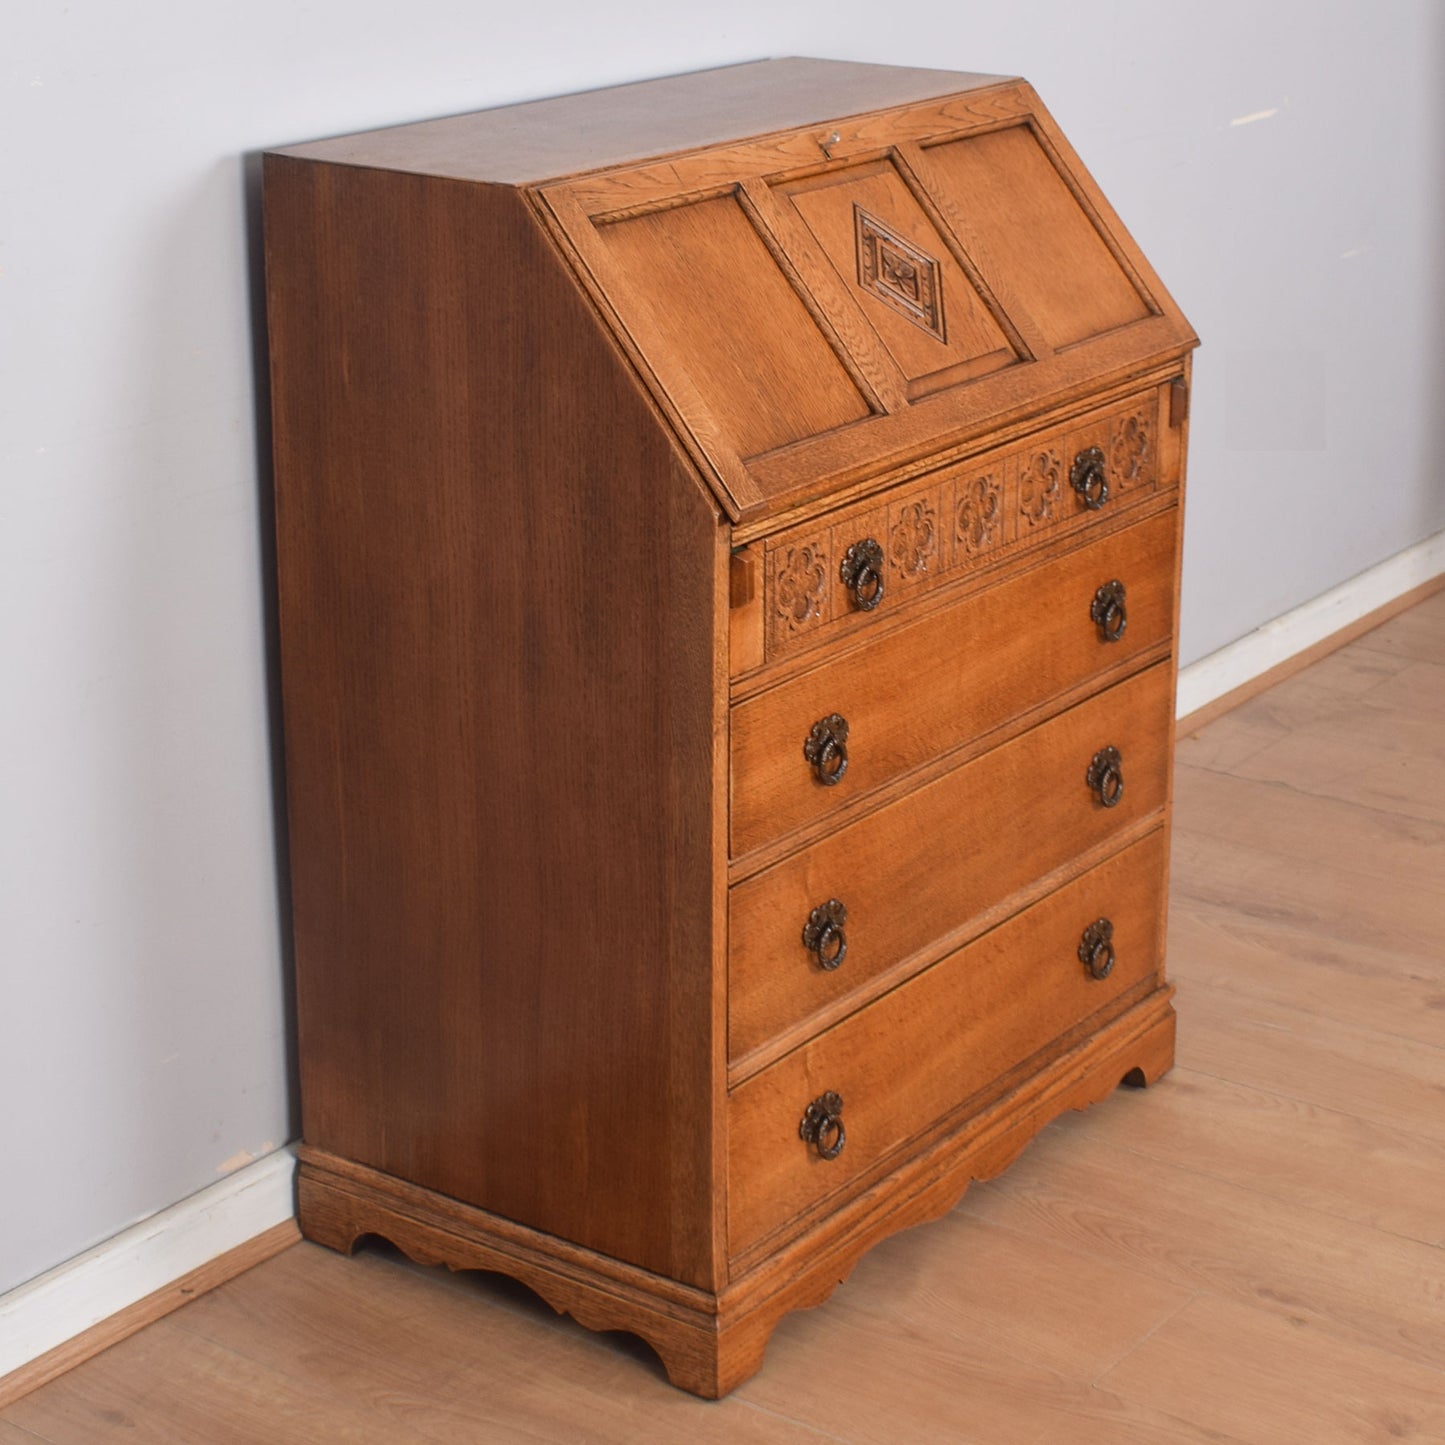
[[499, 589]]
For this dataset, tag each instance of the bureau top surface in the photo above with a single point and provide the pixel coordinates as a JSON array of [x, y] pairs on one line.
[[543, 139]]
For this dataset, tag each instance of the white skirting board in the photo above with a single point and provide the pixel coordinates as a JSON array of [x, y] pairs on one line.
[[59, 1305], [1200, 683], [64, 1302]]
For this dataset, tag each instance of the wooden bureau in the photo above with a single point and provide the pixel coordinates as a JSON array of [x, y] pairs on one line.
[[728, 551]]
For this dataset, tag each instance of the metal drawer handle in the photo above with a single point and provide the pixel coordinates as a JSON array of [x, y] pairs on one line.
[[1096, 948], [1109, 612], [1089, 478], [822, 1125], [824, 936], [862, 573], [1106, 776], [826, 748]]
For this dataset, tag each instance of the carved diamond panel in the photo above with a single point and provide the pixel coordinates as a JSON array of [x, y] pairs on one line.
[[898, 273]]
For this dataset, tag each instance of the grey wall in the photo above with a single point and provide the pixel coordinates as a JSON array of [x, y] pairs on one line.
[[142, 1020]]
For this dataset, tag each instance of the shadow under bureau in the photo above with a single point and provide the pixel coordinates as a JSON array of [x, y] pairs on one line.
[[728, 547]]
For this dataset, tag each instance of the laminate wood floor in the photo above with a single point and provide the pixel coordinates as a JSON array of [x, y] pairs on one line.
[[1252, 1251]]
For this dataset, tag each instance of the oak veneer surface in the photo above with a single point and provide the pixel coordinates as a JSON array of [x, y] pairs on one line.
[[1248, 1253], [533, 827], [444, 828], [556, 137]]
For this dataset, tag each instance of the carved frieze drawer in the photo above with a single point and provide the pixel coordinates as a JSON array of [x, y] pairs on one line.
[[969, 515]]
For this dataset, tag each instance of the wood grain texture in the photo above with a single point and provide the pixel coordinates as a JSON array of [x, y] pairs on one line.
[[967, 671], [957, 334], [1048, 249], [144, 1312], [931, 1046], [706, 290], [514, 426], [1378, 1289], [986, 375], [1028, 798], [1354, 1392], [708, 1342], [618, 124], [498, 648], [961, 519], [1162, 1323]]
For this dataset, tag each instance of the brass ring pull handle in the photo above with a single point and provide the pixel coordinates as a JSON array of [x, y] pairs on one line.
[[1089, 478], [1096, 949], [823, 934], [822, 1125], [826, 748], [1106, 776], [1108, 611], [862, 573]]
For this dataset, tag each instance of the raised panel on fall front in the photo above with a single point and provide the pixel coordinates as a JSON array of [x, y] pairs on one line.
[[902, 273], [714, 303], [1040, 242]]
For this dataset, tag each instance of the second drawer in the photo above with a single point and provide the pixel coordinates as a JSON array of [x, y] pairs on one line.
[[920, 868]]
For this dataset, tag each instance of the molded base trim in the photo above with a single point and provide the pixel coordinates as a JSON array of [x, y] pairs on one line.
[[709, 1343], [80, 1307], [1214, 684]]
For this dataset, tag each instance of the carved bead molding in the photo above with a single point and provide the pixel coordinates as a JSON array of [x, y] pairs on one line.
[[1040, 482], [979, 514], [801, 585], [913, 540]]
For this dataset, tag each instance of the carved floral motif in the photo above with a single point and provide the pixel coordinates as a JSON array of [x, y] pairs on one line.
[[1040, 481], [979, 513], [802, 584], [913, 541], [1130, 449]]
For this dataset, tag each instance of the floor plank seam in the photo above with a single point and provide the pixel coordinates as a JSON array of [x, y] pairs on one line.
[[741, 1398], [1224, 917], [1097, 1382], [1275, 1198], [1340, 1329], [1364, 1119], [1283, 785], [1369, 1033]]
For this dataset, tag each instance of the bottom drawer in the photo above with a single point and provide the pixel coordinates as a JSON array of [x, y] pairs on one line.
[[918, 1053]]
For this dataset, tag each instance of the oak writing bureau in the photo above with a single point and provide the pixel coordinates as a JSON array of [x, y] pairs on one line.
[[728, 557]]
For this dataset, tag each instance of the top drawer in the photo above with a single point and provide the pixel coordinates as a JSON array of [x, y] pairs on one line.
[[970, 515], [952, 676]]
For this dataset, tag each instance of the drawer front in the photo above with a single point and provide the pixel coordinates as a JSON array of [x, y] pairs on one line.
[[949, 677], [973, 514], [917, 1054], [911, 873]]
